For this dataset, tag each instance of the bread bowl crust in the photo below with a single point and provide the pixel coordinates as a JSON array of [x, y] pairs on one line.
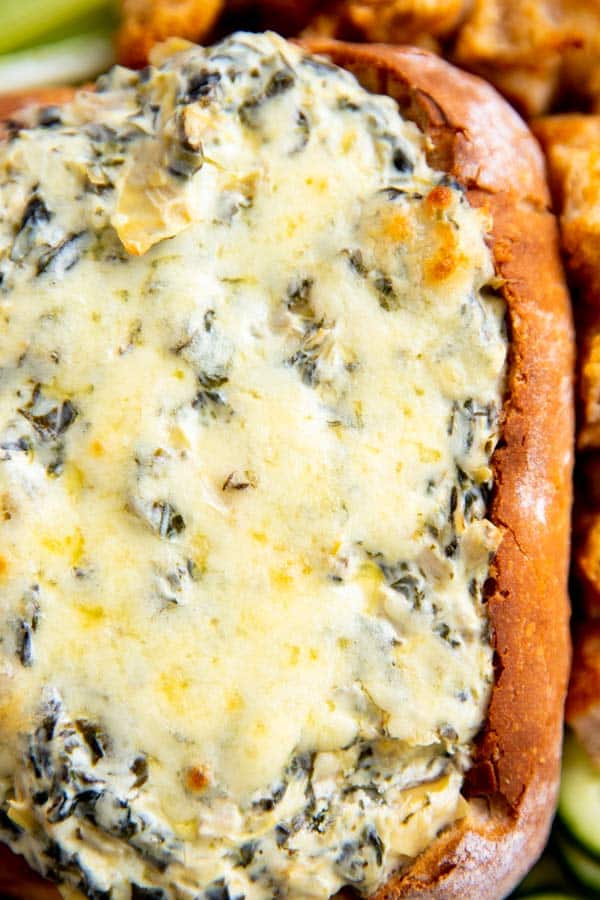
[[482, 143]]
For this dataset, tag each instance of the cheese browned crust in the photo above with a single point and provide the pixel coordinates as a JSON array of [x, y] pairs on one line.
[[482, 144]]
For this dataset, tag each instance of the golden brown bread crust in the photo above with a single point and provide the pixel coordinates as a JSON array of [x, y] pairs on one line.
[[394, 21], [518, 46], [536, 52], [571, 143], [146, 22], [480, 141]]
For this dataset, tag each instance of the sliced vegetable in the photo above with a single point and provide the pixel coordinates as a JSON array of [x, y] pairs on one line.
[[583, 866], [101, 17], [71, 60], [579, 803], [546, 875], [553, 895], [27, 22]]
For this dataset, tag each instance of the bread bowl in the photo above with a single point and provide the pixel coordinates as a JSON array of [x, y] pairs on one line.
[[478, 151]]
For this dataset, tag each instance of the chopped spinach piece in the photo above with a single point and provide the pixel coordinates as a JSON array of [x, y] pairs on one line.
[[212, 380], [402, 161], [306, 363], [165, 519], [346, 104], [447, 732], [213, 405], [49, 116], [49, 421], [443, 630], [59, 259], [301, 131], [139, 767], [24, 643], [94, 738], [237, 481], [185, 156], [306, 359], [246, 853], [280, 81], [36, 212], [219, 890], [282, 833], [451, 548], [385, 290], [371, 837], [8, 448], [370, 789], [350, 863], [91, 891], [355, 259], [200, 85], [266, 804], [248, 112], [298, 294], [144, 893], [27, 625], [115, 816], [401, 577], [57, 463], [8, 826], [300, 765], [100, 133]]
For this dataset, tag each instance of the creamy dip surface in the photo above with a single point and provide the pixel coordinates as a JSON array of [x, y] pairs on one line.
[[251, 374]]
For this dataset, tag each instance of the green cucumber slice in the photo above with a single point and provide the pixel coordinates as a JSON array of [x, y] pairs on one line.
[[65, 62], [546, 875], [25, 23], [553, 895], [579, 801], [584, 867]]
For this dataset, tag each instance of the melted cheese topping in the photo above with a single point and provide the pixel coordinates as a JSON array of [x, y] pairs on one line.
[[251, 366]]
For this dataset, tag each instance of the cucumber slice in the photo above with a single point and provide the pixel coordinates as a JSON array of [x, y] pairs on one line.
[[554, 895], [65, 62], [24, 23], [584, 867], [546, 875], [579, 802]]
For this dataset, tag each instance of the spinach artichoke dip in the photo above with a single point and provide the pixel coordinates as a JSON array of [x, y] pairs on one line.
[[251, 372]]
